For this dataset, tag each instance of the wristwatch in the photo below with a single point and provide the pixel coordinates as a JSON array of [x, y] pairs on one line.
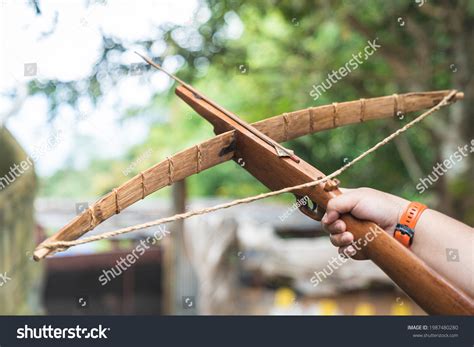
[[405, 229]]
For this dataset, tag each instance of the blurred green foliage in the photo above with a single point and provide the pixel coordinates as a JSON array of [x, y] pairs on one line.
[[288, 46]]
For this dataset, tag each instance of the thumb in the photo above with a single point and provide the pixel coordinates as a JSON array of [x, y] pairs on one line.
[[341, 204]]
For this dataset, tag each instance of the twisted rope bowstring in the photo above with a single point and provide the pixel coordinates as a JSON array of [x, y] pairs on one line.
[[65, 244]]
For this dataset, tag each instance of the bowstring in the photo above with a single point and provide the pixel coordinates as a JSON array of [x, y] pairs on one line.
[[63, 245]]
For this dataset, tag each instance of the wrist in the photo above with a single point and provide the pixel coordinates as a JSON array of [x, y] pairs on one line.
[[405, 228], [397, 206], [402, 207]]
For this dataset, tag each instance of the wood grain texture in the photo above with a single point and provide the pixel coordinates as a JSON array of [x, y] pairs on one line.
[[207, 154]]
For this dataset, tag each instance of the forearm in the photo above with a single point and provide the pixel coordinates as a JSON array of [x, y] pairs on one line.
[[446, 245]]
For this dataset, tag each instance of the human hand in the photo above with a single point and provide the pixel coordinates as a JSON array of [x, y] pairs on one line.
[[364, 203]]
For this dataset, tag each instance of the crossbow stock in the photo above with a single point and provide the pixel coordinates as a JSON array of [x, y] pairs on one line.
[[277, 167]]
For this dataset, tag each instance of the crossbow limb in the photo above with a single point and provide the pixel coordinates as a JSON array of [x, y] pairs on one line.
[[278, 168], [219, 149]]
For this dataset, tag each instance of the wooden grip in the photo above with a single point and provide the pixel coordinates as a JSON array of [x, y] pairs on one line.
[[430, 290]]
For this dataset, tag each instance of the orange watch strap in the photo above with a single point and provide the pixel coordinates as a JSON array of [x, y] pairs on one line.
[[405, 229], [412, 214]]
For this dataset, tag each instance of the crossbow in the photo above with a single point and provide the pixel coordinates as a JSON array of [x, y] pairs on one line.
[[277, 167]]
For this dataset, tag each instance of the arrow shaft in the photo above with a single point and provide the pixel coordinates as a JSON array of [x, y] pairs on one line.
[[279, 149]]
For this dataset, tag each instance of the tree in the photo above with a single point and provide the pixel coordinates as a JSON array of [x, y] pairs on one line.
[[287, 46]]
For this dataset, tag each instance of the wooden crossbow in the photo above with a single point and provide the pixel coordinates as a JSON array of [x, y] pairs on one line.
[[277, 167]]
